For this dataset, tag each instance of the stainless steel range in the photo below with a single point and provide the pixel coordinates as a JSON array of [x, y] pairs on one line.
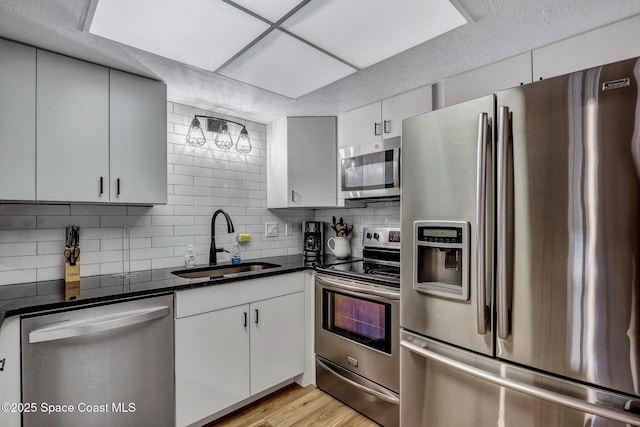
[[357, 328]]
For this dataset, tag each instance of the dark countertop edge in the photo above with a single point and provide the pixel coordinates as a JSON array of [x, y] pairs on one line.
[[285, 268]]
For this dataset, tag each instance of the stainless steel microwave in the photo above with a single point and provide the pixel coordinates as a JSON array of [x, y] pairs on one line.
[[370, 170]]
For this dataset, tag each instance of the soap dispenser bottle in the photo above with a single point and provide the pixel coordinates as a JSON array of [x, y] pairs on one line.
[[235, 254], [190, 257]]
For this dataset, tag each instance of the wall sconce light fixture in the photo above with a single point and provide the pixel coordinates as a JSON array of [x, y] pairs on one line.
[[223, 140]]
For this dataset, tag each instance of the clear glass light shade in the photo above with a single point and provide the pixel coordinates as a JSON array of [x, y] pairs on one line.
[[223, 137], [244, 143], [195, 136]]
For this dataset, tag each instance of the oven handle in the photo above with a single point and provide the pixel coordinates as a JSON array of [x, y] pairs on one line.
[[390, 399], [356, 288]]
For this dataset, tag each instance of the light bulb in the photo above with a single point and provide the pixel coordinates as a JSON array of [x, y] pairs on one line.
[[195, 136], [223, 137], [244, 143]]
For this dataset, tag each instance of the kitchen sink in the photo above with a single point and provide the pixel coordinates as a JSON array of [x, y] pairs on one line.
[[217, 271]]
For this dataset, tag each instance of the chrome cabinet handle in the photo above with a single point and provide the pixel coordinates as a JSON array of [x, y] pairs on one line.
[[481, 307], [502, 223], [376, 129], [385, 128], [540, 393], [390, 399], [95, 325]]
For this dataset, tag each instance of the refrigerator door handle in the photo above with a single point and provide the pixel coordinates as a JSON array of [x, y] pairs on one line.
[[481, 203], [537, 392], [501, 223]]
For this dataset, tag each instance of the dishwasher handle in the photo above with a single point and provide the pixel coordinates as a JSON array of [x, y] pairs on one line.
[[94, 325]]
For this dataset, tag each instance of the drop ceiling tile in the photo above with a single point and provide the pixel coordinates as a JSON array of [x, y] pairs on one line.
[[271, 9], [202, 33], [363, 32], [285, 65]]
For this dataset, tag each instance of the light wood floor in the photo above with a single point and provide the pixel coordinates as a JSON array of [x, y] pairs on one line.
[[295, 406]]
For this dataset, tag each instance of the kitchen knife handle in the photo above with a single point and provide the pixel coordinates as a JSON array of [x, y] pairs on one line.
[[385, 128], [484, 132], [118, 187], [376, 128], [502, 223], [101, 184]]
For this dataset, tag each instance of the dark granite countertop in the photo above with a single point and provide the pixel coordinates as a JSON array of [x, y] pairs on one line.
[[24, 298]]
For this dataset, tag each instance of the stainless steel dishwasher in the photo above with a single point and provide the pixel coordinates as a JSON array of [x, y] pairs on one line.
[[106, 365]]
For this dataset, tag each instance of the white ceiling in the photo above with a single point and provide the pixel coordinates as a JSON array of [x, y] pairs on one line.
[[302, 46], [498, 29]]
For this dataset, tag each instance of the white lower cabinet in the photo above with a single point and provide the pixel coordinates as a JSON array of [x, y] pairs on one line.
[[10, 371], [235, 340]]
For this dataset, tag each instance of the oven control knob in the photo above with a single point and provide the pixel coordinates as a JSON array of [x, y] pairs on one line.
[[376, 236], [368, 235]]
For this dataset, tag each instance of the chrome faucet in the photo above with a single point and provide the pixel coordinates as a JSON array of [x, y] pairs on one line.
[[212, 250]]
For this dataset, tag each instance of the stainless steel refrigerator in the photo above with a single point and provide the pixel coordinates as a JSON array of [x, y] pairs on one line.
[[520, 296]]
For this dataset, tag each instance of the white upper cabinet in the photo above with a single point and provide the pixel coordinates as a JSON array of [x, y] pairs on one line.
[[514, 71], [612, 43], [17, 122], [72, 129], [301, 162], [383, 119], [138, 139]]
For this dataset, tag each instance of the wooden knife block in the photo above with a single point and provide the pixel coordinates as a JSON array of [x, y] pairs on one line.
[[71, 279]]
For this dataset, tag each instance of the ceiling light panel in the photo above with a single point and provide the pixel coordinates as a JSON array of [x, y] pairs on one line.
[[285, 65], [202, 33], [271, 9], [363, 32]]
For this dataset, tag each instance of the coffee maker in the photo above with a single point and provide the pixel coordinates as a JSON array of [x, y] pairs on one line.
[[313, 241]]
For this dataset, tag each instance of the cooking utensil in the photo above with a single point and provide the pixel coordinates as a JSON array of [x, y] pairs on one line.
[[72, 254]]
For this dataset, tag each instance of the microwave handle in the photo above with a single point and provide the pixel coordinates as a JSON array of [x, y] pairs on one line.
[[396, 167]]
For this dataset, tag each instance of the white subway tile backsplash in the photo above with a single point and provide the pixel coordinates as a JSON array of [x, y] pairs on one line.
[[16, 222], [17, 276], [200, 180], [11, 209]]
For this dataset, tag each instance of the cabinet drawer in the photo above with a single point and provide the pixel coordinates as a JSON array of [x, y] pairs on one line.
[[216, 297]]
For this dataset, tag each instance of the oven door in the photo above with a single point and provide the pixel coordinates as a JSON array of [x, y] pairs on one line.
[[357, 326], [370, 170]]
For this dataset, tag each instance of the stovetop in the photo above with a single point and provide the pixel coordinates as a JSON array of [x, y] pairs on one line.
[[360, 270]]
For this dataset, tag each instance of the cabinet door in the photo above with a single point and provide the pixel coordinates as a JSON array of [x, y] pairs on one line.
[[486, 80], [403, 106], [311, 161], [612, 43], [362, 125], [72, 129], [138, 139], [212, 362], [17, 122], [10, 369], [277, 340]]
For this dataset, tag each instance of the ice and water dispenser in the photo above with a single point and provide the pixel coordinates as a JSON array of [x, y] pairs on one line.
[[442, 258]]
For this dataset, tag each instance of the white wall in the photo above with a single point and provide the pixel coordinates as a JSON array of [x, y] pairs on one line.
[[199, 182]]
